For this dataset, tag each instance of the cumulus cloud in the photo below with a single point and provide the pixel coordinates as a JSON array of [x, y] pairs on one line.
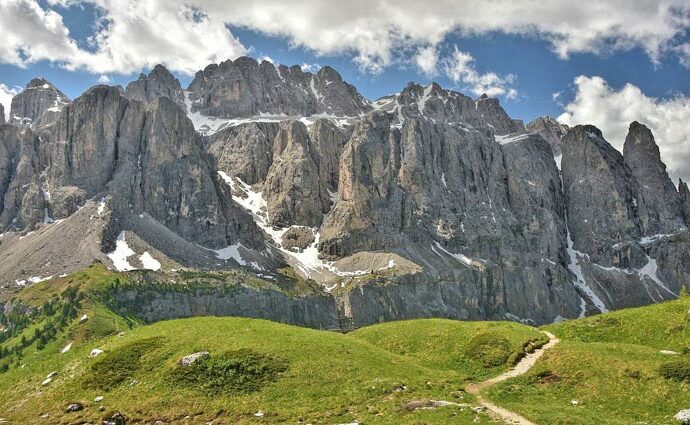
[[426, 60], [459, 67], [103, 79], [187, 34], [310, 67], [6, 95], [613, 110]]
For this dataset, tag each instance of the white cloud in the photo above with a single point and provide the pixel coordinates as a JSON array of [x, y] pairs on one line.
[[188, 34], [427, 60], [459, 67], [310, 67], [6, 95], [103, 79], [613, 110]]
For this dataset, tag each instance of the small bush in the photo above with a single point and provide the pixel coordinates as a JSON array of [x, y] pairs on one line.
[[235, 372], [490, 349], [122, 363], [678, 370]]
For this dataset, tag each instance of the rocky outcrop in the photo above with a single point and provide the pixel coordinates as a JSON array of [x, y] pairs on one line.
[[245, 150], [368, 214], [551, 130], [23, 200], [293, 190], [2, 114], [37, 105], [658, 203], [449, 107], [600, 193], [159, 82], [684, 195], [244, 88]]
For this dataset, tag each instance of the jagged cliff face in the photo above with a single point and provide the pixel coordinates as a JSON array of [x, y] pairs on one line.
[[550, 130], [244, 88], [430, 203], [38, 105]]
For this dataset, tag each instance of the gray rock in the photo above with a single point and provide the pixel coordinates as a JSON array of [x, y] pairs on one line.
[[600, 191], [684, 195], [2, 114], [683, 416], [297, 238], [450, 107], [551, 130], [74, 407], [190, 359], [159, 82], [37, 105], [658, 203], [244, 151], [293, 191], [244, 88]]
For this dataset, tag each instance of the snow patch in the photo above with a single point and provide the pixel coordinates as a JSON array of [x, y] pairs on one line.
[[308, 261], [148, 262], [510, 138], [580, 282], [101, 207], [121, 253]]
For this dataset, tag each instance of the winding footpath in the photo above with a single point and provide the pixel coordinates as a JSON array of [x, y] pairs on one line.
[[521, 368]]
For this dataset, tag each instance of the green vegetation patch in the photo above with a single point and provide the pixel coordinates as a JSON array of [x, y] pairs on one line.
[[491, 349], [123, 363], [234, 372], [678, 370]]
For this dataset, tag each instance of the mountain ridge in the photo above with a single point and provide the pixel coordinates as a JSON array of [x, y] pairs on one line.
[[428, 201]]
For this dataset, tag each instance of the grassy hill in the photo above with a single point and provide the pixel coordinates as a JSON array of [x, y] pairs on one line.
[[257, 372], [612, 365]]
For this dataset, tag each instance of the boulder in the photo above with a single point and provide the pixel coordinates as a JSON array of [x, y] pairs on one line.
[[297, 238], [189, 360], [683, 416], [74, 407]]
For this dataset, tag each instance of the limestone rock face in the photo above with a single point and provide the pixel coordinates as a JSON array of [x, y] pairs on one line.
[[159, 82], [445, 106], [551, 130], [684, 194], [23, 200], [658, 202], [328, 142], [294, 193], [600, 193], [2, 114], [245, 150], [37, 105], [367, 215], [146, 158], [244, 88]]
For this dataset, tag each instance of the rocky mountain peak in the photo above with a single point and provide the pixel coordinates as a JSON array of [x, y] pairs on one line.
[[658, 202], [159, 82], [2, 114], [243, 88], [550, 129], [599, 190], [37, 105]]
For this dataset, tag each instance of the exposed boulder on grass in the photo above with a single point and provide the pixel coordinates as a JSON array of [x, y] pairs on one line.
[[683, 416], [190, 359]]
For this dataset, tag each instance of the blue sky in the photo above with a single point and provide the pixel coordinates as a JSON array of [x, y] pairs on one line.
[[608, 62]]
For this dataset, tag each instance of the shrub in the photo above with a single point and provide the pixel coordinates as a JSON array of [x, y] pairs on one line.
[[678, 370], [490, 349], [122, 363], [235, 372]]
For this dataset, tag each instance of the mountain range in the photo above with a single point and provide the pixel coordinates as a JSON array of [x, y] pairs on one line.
[[424, 203]]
